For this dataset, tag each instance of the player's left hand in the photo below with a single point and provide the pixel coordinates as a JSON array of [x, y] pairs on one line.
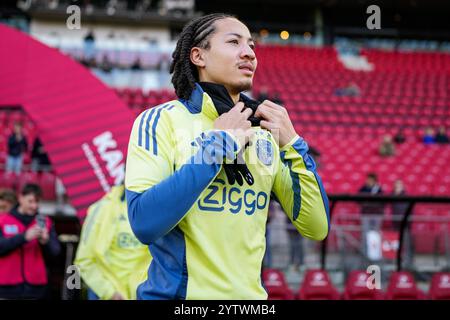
[[276, 120], [45, 237]]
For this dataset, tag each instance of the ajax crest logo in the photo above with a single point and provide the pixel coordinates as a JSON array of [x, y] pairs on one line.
[[264, 151]]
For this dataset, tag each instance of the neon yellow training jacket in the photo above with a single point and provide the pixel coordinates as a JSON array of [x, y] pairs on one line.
[[207, 236], [109, 256]]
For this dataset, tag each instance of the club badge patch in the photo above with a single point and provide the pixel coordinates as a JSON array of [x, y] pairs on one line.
[[264, 151], [10, 229]]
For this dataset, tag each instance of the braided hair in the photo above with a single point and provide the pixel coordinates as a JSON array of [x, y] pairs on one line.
[[195, 34]]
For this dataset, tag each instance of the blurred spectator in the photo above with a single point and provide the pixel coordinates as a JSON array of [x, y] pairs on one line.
[[111, 259], [105, 64], [399, 137], [441, 136], [25, 236], [39, 158], [136, 65], [89, 46], [17, 146], [295, 247], [263, 94], [371, 185], [428, 137], [398, 212], [398, 208], [371, 212], [387, 147], [7, 200], [277, 99], [351, 90]]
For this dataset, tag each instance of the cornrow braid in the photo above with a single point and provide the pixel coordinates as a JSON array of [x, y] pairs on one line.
[[194, 34]]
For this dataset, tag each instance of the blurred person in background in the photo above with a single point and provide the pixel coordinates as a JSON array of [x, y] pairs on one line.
[[17, 146], [263, 94], [441, 136], [387, 147], [371, 185], [26, 237], [296, 253], [112, 262], [371, 212], [428, 137], [398, 208], [277, 99], [399, 137], [39, 158], [351, 90], [89, 46], [8, 200], [398, 212]]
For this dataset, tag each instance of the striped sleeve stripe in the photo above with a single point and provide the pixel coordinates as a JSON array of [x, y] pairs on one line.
[[295, 187], [141, 123], [145, 118], [310, 165], [155, 123], [147, 128]]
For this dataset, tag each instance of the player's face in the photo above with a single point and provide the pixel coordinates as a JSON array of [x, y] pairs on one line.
[[230, 59]]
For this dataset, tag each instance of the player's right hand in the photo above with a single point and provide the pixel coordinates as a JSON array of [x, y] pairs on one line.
[[33, 233], [236, 122]]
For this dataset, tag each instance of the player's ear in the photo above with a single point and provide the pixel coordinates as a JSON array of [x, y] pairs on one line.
[[197, 57]]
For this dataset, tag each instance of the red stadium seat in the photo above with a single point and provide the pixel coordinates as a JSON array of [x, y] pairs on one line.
[[317, 286], [402, 286], [356, 287], [48, 183], [27, 177], [440, 286], [8, 180], [276, 285]]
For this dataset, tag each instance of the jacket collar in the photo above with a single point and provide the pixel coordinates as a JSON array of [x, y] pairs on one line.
[[24, 219], [213, 99]]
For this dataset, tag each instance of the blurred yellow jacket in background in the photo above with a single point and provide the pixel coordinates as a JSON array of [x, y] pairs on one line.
[[109, 256]]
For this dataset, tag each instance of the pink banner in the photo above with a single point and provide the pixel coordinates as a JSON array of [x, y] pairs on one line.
[[82, 123]]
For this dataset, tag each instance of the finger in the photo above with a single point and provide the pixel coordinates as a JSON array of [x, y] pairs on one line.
[[268, 125], [243, 169], [273, 105], [247, 113], [238, 107], [266, 113], [238, 176], [229, 173], [275, 108]]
